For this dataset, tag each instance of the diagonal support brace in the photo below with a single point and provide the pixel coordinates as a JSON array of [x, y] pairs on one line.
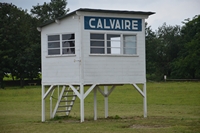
[[138, 89], [89, 90], [49, 90], [109, 92], [75, 91]]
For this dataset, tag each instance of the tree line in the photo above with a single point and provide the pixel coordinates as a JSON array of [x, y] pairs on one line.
[[20, 50], [174, 51], [170, 50]]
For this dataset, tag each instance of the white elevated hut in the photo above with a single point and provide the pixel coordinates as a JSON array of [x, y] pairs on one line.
[[92, 47]]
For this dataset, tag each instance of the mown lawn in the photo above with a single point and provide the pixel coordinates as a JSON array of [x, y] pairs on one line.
[[172, 107]]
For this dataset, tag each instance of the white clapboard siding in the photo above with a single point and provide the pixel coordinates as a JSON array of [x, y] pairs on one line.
[[114, 69], [91, 69], [61, 69]]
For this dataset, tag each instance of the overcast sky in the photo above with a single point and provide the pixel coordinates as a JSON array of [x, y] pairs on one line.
[[173, 12]]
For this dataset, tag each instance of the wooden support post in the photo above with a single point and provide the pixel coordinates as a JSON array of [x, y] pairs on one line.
[[51, 99], [144, 95], [106, 100], [95, 103], [82, 102], [43, 103], [58, 90], [51, 113], [145, 100]]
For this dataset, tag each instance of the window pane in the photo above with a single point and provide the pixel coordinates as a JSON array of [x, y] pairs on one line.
[[130, 44], [53, 44], [113, 43], [113, 50], [97, 50], [68, 37], [129, 50], [53, 37], [53, 51], [129, 38], [108, 50], [68, 51], [68, 44], [97, 43], [129, 41], [97, 36], [113, 37]]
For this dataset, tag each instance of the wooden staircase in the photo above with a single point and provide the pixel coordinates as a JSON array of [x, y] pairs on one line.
[[64, 103]]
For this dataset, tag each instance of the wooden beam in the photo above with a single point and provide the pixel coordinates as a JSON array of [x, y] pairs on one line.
[[75, 91], [89, 90], [139, 90], [49, 90]]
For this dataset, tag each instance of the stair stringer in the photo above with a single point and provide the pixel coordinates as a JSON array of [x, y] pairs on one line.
[[68, 102], [58, 101]]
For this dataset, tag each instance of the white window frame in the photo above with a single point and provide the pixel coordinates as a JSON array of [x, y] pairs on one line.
[[57, 48], [121, 44], [131, 47], [61, 45], [98, 47]]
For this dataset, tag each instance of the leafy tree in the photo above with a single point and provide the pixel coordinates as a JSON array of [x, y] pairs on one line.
[[50, 11], [168, 48], [8, 22], [187, 65], [162, 47], [151, 45], [18, 42], [28, 57]]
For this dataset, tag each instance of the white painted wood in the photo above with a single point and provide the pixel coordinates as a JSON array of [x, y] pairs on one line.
[[66, 108], [89, 90], [95, 103], [145, 100], [51, 112], [43, 103], [139, 90], [58, 101], [111, 69], [82, 103], [105, 93], [48, 91], [61, 69], [110, 91], [106, 100], [75, 91], [84, 68], [58, 90], [99, 89], [144, 95]]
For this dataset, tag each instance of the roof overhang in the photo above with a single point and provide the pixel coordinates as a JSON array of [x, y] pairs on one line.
[[96, 11]]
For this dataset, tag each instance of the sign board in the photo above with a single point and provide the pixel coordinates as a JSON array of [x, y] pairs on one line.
[[111, 23]]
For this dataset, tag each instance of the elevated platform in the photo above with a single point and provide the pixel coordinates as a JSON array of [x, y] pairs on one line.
[[69, 93]]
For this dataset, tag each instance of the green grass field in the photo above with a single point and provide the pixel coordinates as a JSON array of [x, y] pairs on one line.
[[172, 107]]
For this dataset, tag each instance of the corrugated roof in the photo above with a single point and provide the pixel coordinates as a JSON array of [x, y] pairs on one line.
[[99, 11]]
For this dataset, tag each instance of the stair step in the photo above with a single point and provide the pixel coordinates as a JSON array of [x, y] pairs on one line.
[[65, 106], [63, 110], [67, 100], [68, 95]]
